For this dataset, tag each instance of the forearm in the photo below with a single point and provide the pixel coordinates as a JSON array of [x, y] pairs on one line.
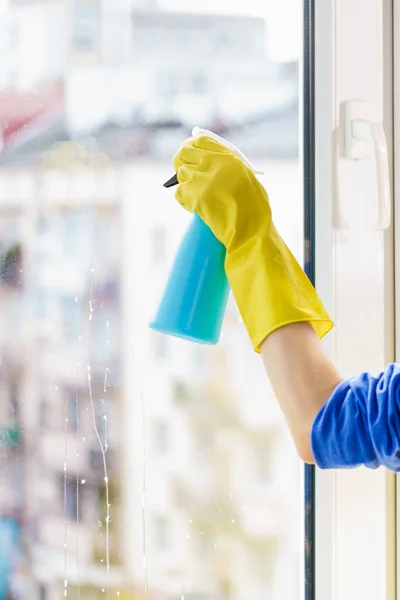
[[303, 378], [334, 422]]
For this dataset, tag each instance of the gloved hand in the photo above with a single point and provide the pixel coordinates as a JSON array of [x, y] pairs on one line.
[[269, 286]]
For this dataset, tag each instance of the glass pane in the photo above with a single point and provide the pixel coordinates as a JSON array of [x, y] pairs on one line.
[[134, 465]]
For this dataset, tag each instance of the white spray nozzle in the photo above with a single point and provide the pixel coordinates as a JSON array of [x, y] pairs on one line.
[[198, 131]]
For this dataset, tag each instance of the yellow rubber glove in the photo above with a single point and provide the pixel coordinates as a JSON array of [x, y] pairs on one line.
[[269, 286]]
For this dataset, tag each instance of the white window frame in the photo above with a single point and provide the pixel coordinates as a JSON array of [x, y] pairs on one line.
[[395, 487], [334, 579], [339, 22], [324, 266]]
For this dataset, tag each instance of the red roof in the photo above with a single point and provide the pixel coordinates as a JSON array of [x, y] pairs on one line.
[[18, 110]]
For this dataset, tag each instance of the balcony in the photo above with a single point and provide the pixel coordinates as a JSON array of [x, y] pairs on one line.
[[95, 462], [263, 521], [215, 508], [207, 403], [53, 535], [63, 363], [48, 562], [98, 550], [208, 504], [67, 363], [55, 454]]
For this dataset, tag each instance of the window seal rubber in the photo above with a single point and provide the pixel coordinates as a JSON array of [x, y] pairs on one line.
[[309, 261]]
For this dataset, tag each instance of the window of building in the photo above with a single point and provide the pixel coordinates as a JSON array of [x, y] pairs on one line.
[[43, 414], [199, 83], [202, 448], [264, 559], [71, 317], [42, 304], [13, 79], [14, 402], [205, 543], [69, 495], [69, 227], [86, 15], [161, 437], [160, 346], [162, 533], [262, 461], [11, 265], [199, 359], [72, 403], [158, 239], [13, 37], [43, 592]]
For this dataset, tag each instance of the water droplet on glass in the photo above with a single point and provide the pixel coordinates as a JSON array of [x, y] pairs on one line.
[[100, 524], [76, 298], [83, 481]]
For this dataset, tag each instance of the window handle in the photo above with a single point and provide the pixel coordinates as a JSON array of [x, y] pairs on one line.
[[363, 138], [373, 133]]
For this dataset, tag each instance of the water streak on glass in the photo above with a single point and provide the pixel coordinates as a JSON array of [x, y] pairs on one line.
[[188, 450], [77, 497], [103, 453], [65, 500]]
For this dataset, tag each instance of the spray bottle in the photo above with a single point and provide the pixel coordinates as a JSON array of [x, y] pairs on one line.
[[195, 297]]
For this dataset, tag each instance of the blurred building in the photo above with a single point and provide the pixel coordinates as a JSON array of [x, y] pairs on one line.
[[123, 61], [94, 239], [164, 460]]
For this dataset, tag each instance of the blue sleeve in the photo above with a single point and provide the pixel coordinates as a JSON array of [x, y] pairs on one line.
[[360, 423]]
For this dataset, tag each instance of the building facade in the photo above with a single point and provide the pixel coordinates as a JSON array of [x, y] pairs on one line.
[[133, 464]]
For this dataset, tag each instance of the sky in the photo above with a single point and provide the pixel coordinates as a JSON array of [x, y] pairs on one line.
[[284, 20]]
